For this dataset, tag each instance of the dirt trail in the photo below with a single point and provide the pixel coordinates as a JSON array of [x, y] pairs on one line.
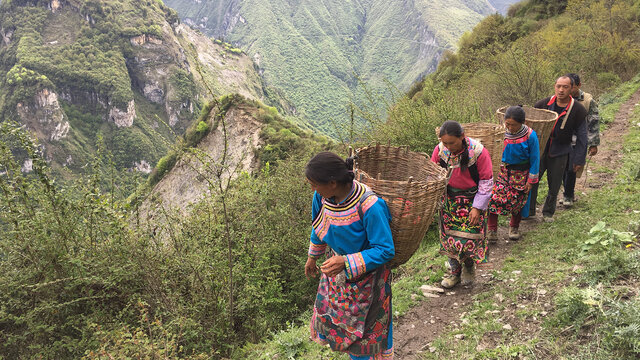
[[424, 323]]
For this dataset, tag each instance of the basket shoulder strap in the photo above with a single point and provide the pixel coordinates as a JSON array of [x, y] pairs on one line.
[[364, 197], [475, 175]]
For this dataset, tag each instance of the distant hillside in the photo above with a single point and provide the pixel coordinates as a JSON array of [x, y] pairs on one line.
[[123, 71], [313, 51]]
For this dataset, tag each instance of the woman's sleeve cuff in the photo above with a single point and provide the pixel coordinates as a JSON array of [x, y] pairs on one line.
[[315, 250], [533, 179], [354, 265]]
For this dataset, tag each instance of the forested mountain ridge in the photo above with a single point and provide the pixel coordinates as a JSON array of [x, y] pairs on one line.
[[127, 72], [318, 52]]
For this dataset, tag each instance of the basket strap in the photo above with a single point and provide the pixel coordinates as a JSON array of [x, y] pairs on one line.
[[364, 197], [475, 175]]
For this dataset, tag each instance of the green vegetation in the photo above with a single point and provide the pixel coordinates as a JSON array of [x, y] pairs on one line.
[[515, 60], [589, 302], [92, 58], [557, 298], [314, 52], [84, 275]]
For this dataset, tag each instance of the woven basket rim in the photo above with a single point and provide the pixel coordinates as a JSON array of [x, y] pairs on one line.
[[438, 178], [501, 111]]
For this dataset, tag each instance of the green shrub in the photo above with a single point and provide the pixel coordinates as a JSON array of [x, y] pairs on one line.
[[622, 330], [574, 306], [612, 265], [164, 165]]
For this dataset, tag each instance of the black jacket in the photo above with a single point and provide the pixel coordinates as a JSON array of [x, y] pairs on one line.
[[577, 116]]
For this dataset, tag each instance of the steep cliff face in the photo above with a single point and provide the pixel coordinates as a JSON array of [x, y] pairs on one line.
[[127, 71], [319, 52], [214, 152], [193, 176]]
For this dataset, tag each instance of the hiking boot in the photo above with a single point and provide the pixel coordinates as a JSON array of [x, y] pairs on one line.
[[492, 236], [567, 202], [468, 275], [513, 233], [450, 280], [547, 218]]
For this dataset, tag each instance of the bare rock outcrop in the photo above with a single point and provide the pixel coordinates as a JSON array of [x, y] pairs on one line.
[[189, 179], [123, 118], [45, 116]]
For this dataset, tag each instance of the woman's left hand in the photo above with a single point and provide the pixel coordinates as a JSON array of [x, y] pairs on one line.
[[474, 216], [527, 187], [332, 266]]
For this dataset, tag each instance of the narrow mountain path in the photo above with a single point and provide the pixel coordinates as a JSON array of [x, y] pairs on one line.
[[414, 332]]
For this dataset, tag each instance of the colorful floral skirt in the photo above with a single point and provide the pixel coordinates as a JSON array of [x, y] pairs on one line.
[[458, 239], [356, 317], [508, 195]]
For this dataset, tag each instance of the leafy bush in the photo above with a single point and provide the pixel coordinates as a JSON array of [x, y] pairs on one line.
[[151, 339], [611, 266], [164, 165], [602, 236], [215, 281], [618, 319], [574, 306]]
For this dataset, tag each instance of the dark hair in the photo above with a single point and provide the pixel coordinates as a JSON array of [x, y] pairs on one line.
[[327, 166], [575, 77], [516, 113], [572, 80], [453, 128]]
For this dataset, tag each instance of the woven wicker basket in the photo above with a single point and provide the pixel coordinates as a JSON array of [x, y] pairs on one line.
[[411, 185], [540, 120], [491, 136]]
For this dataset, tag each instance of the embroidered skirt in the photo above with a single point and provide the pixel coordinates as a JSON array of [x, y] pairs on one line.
[[355, 318], [458, 239], [508, 195]]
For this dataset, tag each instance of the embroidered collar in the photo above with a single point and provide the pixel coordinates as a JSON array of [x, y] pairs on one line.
[[453, 160], [352, 199], [524, 129], [521, 136]]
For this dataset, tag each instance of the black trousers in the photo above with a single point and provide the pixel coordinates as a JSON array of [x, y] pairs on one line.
[[554, 167]]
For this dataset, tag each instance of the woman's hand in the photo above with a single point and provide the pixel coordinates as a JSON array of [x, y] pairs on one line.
[[310, 268], [332, 266], [527, 187], [474, 216]]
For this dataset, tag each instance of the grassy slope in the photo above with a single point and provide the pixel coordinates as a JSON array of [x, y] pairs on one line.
[[558, 266], [311, 50], [557, 251]]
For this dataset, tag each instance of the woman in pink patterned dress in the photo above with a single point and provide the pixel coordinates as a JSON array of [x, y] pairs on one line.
[[462, 217]]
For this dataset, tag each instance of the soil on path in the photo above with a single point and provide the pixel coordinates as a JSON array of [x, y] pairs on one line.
[[414, 332]]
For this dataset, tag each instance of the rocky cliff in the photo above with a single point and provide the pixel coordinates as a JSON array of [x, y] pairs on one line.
[[127, 72]]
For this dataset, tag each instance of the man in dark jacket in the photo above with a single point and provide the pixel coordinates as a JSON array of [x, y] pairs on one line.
[[571, 121], [593, 137]]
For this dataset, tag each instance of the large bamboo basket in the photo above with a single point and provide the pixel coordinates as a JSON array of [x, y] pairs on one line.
[[491, 136], [410, 184], [540, 120]]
